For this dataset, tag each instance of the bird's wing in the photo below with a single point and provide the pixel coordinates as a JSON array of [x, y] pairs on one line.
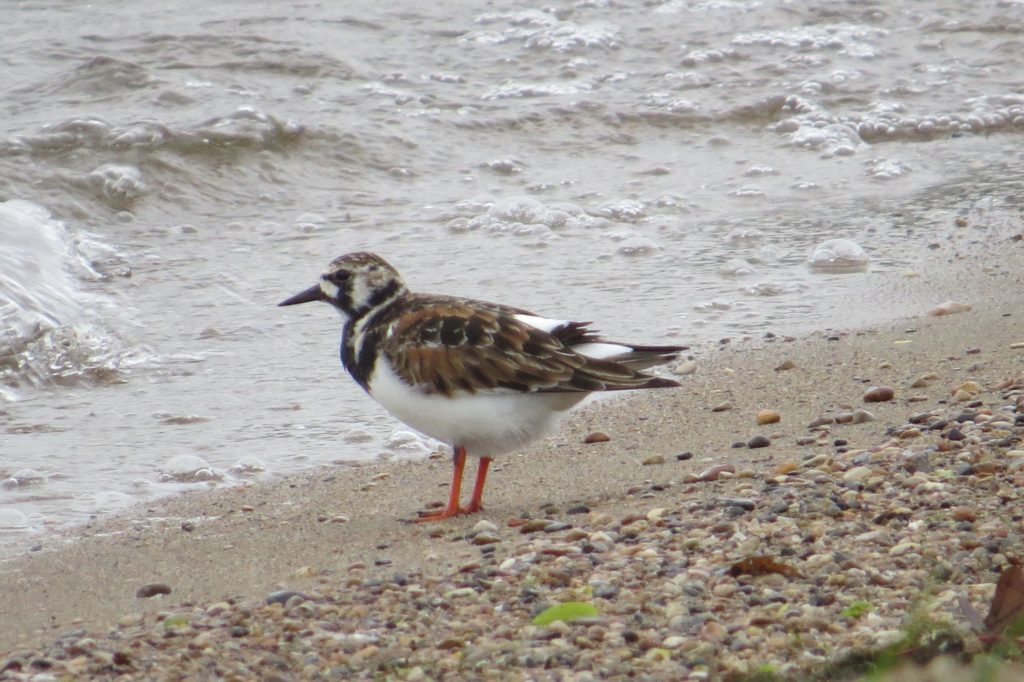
[[447, 346]]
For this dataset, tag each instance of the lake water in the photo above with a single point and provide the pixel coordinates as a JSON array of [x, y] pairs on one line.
[[170, 171]]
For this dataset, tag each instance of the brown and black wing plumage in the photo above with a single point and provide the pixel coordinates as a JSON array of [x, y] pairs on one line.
[[446, 345]]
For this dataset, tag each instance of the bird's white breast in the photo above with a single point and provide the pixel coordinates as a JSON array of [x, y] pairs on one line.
[[485, 423]]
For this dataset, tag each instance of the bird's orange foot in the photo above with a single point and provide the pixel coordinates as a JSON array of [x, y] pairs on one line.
[[445, 513]]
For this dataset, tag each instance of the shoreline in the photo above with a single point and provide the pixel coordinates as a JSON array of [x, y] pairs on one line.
[[341, 529]]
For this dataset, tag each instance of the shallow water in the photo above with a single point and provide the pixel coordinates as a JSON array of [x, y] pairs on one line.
[[666, 170]]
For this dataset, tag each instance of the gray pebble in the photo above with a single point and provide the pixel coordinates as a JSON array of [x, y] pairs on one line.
[[557, 526], [282, 596], [152, 590], [740, 502]]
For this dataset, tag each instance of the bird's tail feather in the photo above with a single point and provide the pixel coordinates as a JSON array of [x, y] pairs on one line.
[[641, 357]]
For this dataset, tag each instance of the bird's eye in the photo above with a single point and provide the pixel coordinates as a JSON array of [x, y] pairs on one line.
[[338, 277]]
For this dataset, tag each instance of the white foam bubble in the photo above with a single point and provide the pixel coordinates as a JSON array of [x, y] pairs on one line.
[[12, 519], [852, 39], [358, 434], [631, 243], [712, 306], [736, 267], [772, 288], [188, 469], [887, 169], [743, 235], [248, 466], [116, 185], [838, 255], [409, 444], [23, 478], [628, 210], [521, 216]]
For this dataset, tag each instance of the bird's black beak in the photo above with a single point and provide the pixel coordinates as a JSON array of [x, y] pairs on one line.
[[314, 293]]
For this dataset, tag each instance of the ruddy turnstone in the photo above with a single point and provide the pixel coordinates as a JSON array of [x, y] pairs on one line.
[[482, 377]]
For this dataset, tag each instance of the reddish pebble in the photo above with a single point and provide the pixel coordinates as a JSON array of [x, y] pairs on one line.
[[597, 437], [879, 394], [965, 514], [785, 468]]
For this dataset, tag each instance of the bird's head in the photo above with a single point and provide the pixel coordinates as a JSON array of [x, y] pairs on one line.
[[354, 284]]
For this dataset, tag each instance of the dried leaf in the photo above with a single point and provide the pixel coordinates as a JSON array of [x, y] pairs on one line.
[[1008, 602], [761, 565], [566, 611]]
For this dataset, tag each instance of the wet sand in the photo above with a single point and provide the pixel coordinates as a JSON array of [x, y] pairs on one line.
[[249, 541]]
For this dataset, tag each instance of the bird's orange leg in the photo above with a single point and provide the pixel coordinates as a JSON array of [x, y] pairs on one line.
[[453, 508], [478, 488]]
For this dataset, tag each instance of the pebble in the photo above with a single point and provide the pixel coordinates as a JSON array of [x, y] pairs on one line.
[[597, 437], [484, 526], [716, 472], [785, 365], [673, 642], [924, 380], [880, 536], [534, 525], [685, 369], [152, 590], [967, 388], [485, 538], [965, 514], [654, 459], [949, 308], [130, 620], [955, 434], [857, 474], [862, 417], [758, 442], [768, 417], [879, 394], [904, 548], [724, 590], [284, 596], [722, 407]]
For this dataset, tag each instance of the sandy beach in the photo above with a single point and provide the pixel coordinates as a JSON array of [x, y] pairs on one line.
[[340, 533]]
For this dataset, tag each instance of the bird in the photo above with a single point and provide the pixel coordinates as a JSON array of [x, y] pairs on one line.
[[484, 378]]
